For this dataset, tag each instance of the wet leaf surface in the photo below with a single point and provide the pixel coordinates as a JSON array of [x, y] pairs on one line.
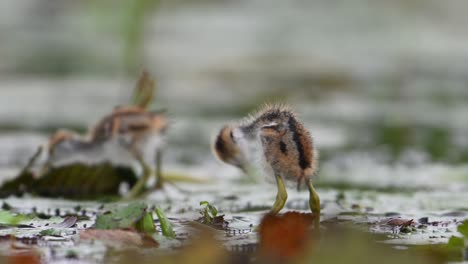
[[121, 217]]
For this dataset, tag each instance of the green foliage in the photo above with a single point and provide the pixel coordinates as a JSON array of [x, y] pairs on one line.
[[123, 217], [7, 218], [143, 93], [209, 213], [146, 224], [456, 242], [457, 245], [463, 229], [166, 225], [50, 232]]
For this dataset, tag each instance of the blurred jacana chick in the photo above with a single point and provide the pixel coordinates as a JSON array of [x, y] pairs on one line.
[[138, 131], [125, 135]]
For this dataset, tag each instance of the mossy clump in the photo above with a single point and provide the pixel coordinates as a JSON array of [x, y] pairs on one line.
[[73, 181]]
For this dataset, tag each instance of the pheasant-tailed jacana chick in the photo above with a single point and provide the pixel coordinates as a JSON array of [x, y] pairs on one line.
[[227, 148], [288, 150]]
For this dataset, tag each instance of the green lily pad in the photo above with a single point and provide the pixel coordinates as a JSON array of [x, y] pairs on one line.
[[123, 217], [50, 232], [7, 218]]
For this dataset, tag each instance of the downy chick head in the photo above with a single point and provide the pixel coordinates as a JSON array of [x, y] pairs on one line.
[[228, 148], [267, 115]]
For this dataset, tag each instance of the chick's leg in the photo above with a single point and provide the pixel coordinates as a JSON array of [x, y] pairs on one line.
[[140, 185], [314, 202], [159, 178], [281, 196]]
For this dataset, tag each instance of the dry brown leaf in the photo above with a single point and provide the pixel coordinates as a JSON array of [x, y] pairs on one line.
[[27, 257], [285, 236], [68, 222], [399, 222]]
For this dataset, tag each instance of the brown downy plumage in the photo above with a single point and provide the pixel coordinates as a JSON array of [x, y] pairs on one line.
[[289, 150], [287, 145]]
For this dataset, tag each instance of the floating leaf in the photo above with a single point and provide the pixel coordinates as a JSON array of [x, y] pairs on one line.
[[146, 224], [124, 217], [285, 236], [7, 218], [166, 225], [50, 232]]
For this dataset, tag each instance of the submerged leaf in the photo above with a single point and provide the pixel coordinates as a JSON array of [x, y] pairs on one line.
[[124, 217], [166, 225]]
